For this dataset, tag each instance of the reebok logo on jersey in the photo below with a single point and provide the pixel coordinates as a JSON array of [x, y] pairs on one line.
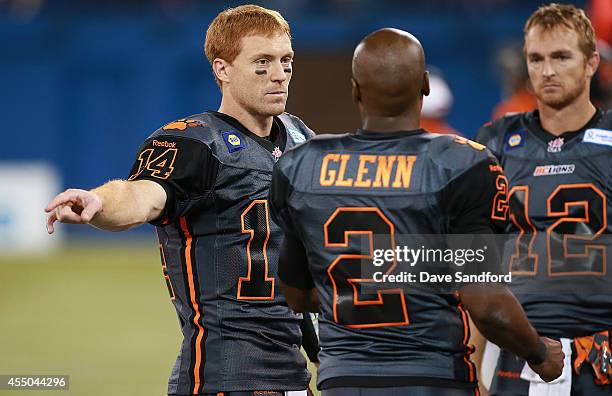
[[162, 143], [233, 141], [496, 168], [366, 171], [551, 170], [514, 140], [598, 136]]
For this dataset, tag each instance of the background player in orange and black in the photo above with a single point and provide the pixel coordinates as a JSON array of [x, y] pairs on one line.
[[203, 182], [391, 179], [557, 160]]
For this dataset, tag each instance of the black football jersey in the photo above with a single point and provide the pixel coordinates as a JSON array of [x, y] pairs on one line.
[[333, 192], [219, 251], [559, 191]]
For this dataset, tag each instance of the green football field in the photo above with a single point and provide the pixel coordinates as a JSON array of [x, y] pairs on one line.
[[99, 313]]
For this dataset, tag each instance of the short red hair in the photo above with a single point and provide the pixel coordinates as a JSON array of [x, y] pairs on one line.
[[225, 33], [554, 15]]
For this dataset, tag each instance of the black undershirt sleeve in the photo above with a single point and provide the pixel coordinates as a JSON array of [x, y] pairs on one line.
[[469, 199], [310, 341], [293, 264]]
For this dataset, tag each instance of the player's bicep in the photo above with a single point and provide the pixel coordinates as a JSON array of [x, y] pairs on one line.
[[301, 300], [149, 195]]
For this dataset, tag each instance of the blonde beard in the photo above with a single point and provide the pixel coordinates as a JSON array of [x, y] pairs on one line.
[[564, 100]]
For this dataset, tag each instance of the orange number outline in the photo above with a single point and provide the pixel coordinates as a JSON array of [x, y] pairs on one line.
[[251, 232], [566, 237], [534, 232], [354, 281], [142, 162]]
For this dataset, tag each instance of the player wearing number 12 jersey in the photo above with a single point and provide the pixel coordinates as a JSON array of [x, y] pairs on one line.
[[391, 179], [558, 163], [203, 182]]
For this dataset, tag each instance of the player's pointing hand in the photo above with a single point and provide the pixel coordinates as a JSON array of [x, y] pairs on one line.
[[72, 206]]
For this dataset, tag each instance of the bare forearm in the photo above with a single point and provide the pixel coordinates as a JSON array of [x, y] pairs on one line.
[[501, 319], [127, 204], [301, 300]]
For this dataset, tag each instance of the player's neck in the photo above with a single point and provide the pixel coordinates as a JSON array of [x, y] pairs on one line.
[[259, 125], [390, 124], [569, 118]]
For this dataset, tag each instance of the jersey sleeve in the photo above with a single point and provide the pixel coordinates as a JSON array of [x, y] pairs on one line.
[[280, 189], [296, 128], [293, 264], [309, 133], [487, 135], [184, 167], [473, 199], [293, 267]]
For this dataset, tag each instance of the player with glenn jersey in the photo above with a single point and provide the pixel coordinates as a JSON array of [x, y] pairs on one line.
[[203, 182], [391, 179], [558, 164]]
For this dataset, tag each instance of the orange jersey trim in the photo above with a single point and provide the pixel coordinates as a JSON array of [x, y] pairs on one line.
[[466, 337], [194, 304]]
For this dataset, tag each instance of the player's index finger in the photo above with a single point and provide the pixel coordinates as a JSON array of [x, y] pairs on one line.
[[51, 218], [60, 199]]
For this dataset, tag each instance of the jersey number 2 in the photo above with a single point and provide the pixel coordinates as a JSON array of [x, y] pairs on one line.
[[350, 307]]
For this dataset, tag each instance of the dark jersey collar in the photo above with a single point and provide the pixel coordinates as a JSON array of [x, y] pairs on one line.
[[362, 133], [277, 137], [534, 125]]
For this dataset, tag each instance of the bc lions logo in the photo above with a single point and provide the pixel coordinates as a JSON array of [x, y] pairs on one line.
[[182, 124]]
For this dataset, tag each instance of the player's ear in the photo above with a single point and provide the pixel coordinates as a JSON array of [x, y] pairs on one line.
[[220, 69], [592, 63], [356, 93], [425, 87]]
